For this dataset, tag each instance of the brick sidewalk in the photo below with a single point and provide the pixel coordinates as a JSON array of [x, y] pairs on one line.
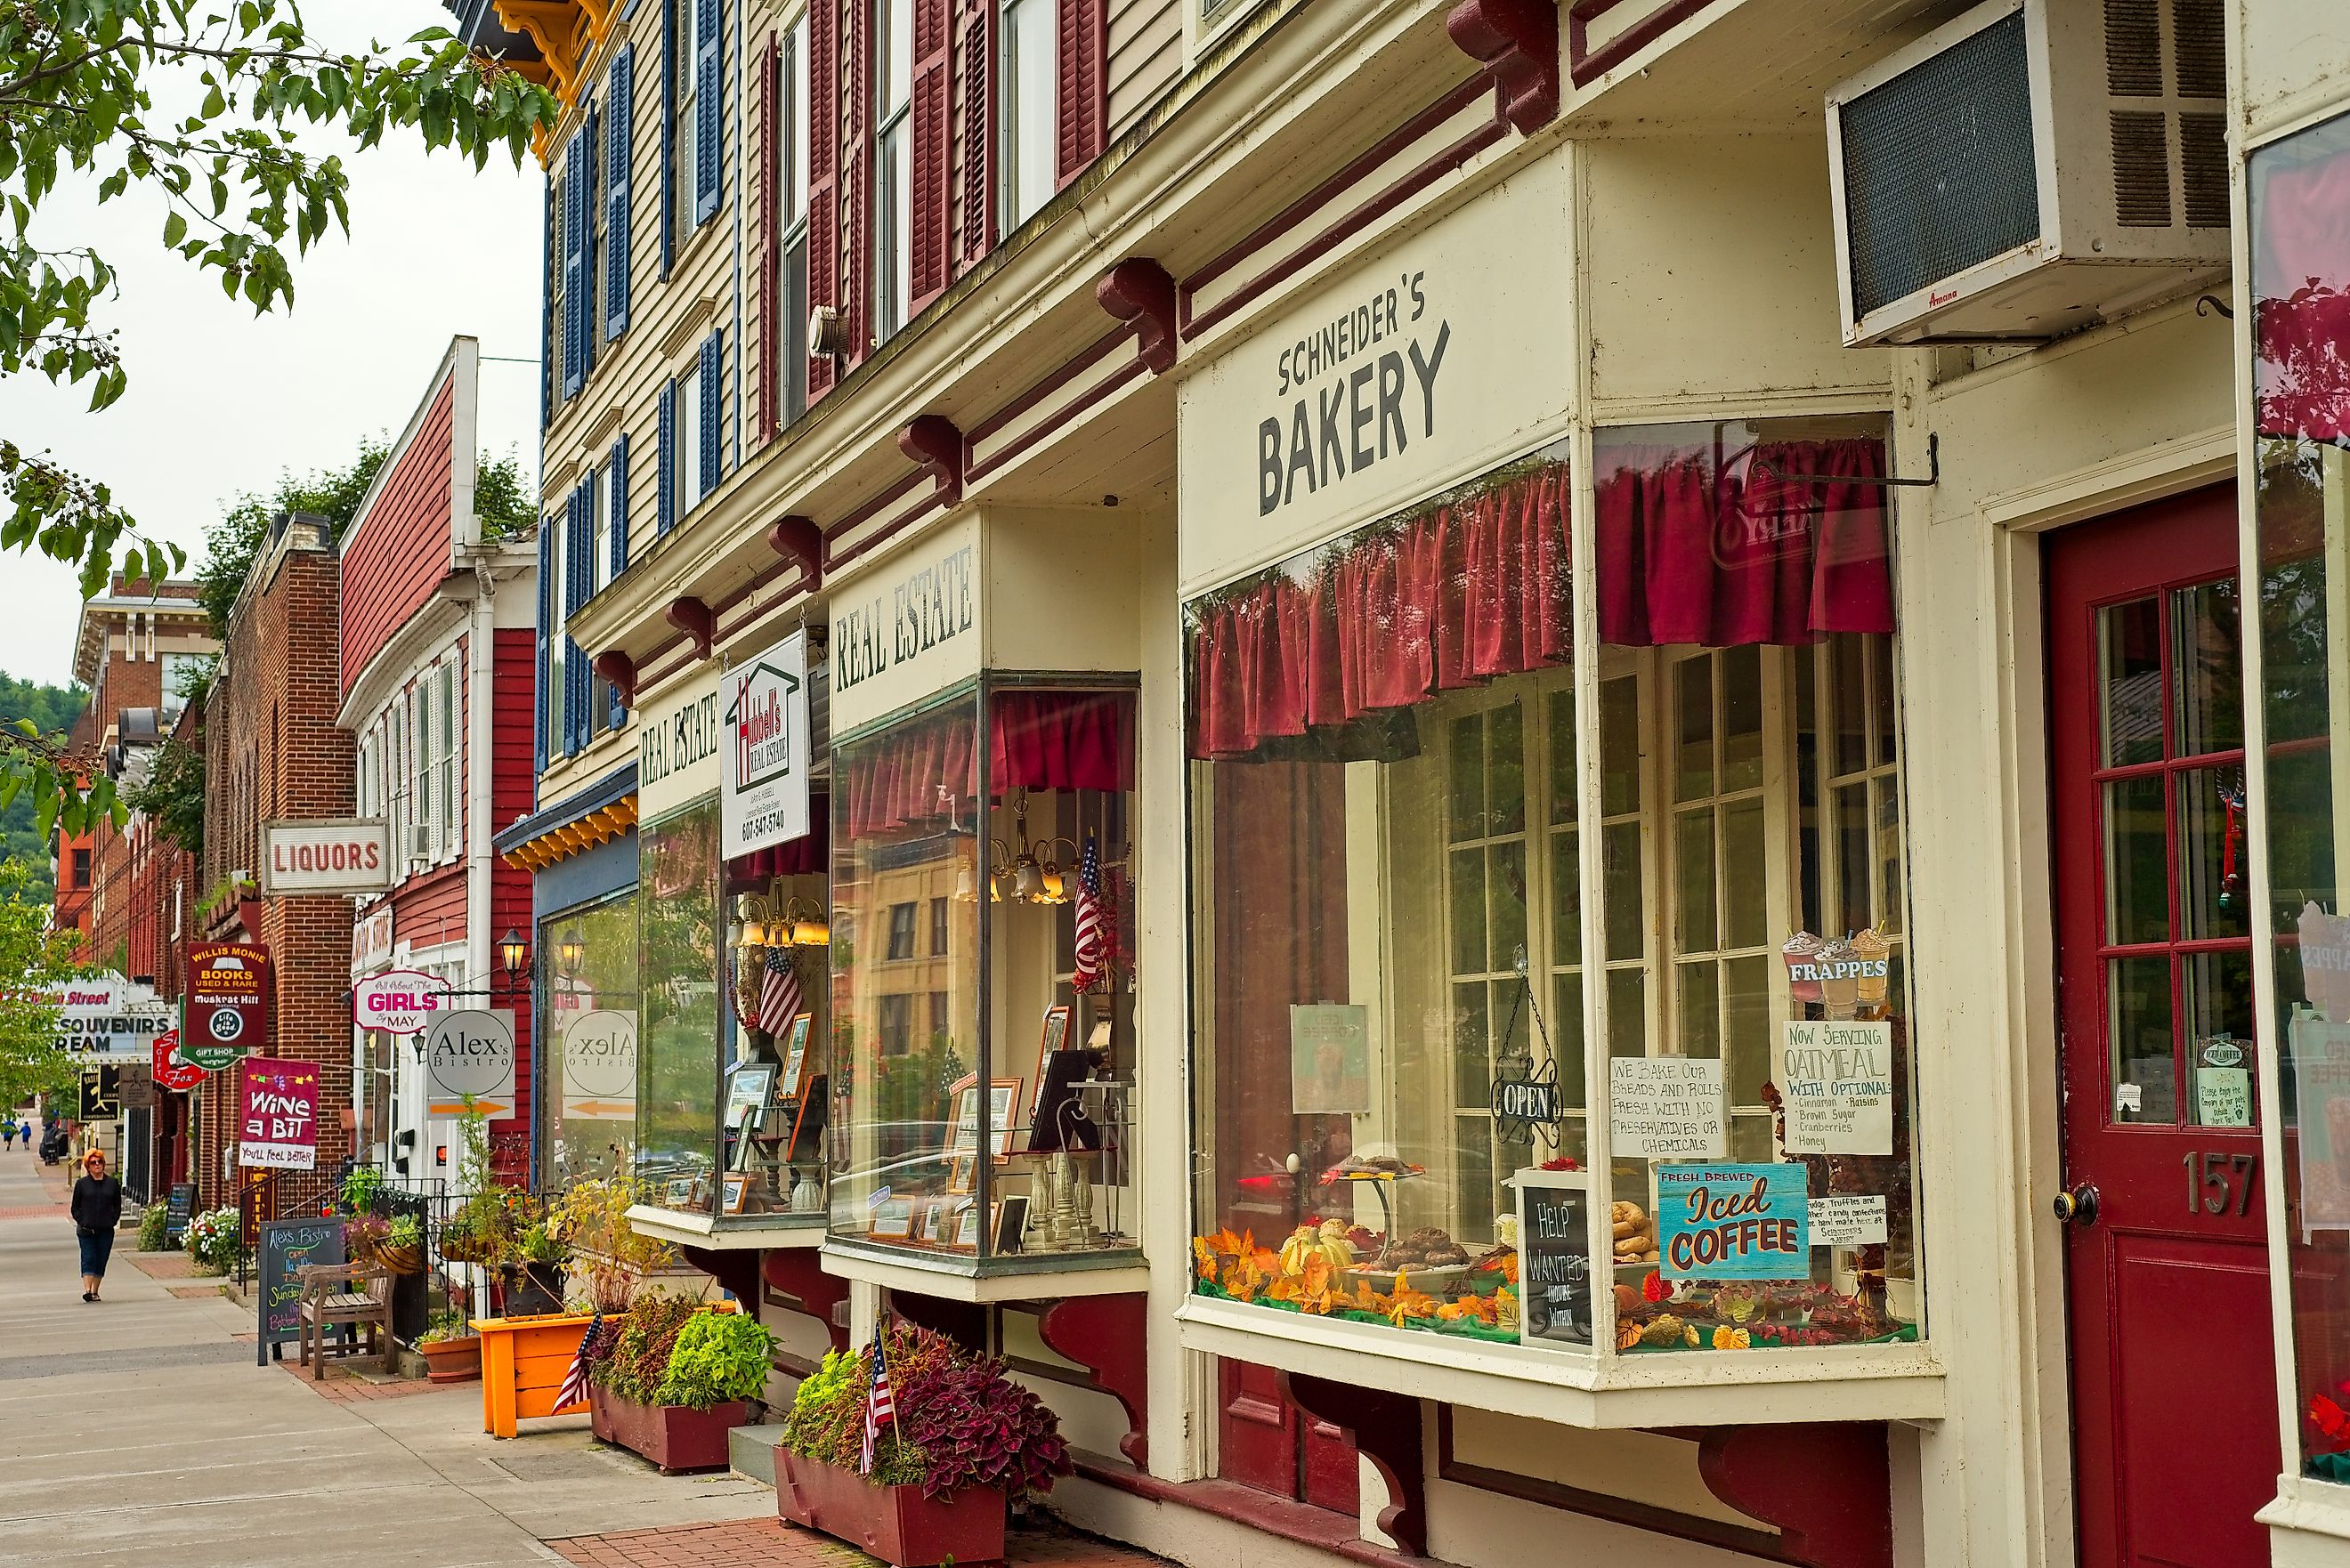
[[770, 1542], [345, 1385], [163, 1265]]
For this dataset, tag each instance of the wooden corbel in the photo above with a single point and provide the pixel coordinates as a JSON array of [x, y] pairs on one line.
[[798, 540], [621, 671], [555, 25], [692, 616], [1140, 291], [935, 443], [1516, 42]]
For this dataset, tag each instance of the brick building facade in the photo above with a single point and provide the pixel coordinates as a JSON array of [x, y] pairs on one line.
[[272, 751]]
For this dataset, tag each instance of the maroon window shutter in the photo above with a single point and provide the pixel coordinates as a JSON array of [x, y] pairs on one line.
[[823, 170], [1083, 109], [931, 262], [771, 245], [856, 183], [974, 234]]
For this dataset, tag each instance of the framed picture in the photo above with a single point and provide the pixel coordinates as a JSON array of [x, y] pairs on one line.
[[1003, 1102], [967, 1227], [1055, 1037], [962, 1174], [944, 1219], [796, 1044], [746, 1092], [1011, 1224], [738, 1194], [893, 1219], [679, 1193], [809, 1121]]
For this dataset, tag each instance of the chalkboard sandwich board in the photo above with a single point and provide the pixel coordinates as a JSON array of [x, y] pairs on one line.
[[285, 1246], [178, 1209], [1554, 1257]]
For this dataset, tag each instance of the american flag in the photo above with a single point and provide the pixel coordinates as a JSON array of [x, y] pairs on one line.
[[779, 993], [879, 1405], [1093, 920], [575, 1382]]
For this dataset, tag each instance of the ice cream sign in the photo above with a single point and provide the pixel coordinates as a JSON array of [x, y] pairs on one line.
[[398, 1001]]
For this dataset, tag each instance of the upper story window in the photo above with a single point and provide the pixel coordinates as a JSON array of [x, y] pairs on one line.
[[681, 104], [894, 199], [901, 930], [444, 758], [601, 498], [791, 155], [1026, 117], [81, 868], [180, 672]]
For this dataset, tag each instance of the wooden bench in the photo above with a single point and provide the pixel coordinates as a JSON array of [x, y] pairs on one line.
[[341, 1294]]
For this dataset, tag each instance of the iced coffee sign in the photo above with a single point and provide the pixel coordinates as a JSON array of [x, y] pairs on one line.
[[1836, 1082]]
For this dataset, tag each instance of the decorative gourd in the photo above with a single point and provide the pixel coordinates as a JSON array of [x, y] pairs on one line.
[[1327, 1241]]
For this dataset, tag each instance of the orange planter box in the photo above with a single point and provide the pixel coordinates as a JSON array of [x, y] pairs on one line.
[[524, 1363]]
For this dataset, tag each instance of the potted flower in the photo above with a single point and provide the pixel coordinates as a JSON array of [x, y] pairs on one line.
[[400, 1248], [966, 1441], [609, 1258], [533, 1276], [452, 1351], [363, 1235], [216, 1240], [672, 1381]]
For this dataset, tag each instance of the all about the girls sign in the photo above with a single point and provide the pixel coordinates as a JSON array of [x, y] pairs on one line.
[[279, 1130], [1733, 1222]]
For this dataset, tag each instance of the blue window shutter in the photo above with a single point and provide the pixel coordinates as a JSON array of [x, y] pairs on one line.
[[574, 265], [571, 559], [618, 483], [547, 367], [707, 120], [620, 184], [665, 463], [590, 264], [710, 413], [668, 133], [545, 621]]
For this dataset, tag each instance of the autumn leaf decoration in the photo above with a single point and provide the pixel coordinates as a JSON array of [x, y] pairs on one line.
[[2328, 1417]]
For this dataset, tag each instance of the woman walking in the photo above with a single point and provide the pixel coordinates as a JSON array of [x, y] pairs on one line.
[[97, 1210]]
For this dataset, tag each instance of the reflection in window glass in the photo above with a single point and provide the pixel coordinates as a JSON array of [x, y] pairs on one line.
[[677, 1092], [587, 1090]]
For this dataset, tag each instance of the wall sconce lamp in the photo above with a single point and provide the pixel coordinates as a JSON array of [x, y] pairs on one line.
[[514, 953]]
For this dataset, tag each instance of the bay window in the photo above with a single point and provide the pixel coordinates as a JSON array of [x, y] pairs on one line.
[[679, 1015], [1512, 966]]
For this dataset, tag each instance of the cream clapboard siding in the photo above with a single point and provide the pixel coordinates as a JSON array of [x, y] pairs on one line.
[[1146, 57]]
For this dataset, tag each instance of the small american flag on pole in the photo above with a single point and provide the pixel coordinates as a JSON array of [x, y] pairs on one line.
[[575, 1382], [879, 1405], [779, 993], [1093, 920]]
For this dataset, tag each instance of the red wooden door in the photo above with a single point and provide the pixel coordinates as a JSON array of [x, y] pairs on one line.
[[2174, 1388], [1263, 1442]]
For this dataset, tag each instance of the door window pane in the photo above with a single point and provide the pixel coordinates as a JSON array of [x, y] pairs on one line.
[[2138, 864], [2129, 648], [2137, 1024], [2206, 668]]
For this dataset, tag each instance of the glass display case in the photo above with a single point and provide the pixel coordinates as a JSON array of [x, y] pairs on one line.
[[776, 1101], [1549, 986], [982, 983]]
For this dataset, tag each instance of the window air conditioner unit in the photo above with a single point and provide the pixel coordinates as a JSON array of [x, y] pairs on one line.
[[2032, 168], [423, 842]]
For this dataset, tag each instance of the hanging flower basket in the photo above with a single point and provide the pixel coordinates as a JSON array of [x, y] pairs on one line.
[[398, 1259]]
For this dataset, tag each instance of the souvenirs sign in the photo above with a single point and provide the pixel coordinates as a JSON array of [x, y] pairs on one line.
[[469, 1062], [228, 1002], [279, 1129], [1836, 1080], [1666, 1108], [1733, 1222], [762, 755], [107, 1018]]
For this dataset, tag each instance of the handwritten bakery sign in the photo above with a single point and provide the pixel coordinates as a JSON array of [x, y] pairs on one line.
[[1835, 1083]]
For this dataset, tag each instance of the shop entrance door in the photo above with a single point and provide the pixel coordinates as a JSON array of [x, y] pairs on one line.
[[1264, 1442], [2174, 1388]]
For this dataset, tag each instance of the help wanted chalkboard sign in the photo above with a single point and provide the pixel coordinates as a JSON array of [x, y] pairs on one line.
[[1554, 1257]]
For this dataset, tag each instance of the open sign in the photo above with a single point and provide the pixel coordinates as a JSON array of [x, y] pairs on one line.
[[398, 1001]]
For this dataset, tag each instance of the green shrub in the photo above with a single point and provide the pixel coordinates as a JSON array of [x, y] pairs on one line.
[[216, 1240], [718, 1356], [151, 1222], [638, 1360]]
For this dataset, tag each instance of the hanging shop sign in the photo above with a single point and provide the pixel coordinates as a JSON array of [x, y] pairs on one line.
[[398, 1001], [137, 1080], [469, 1062], [1666, 1108], [907, 628], [170, 1071], [1733, 1222], [107, 1018], [228, 1002], [371, 940], [333, 854], [279, 1128], [677, 747], [1836, 1082], [599, 1066], [764, 756], [1426, 362], [101, 1092]]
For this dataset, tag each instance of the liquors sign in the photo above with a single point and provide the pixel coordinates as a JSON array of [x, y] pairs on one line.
[[763, 755]]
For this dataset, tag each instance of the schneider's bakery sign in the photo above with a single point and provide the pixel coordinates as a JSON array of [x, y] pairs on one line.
[[1441, 354]]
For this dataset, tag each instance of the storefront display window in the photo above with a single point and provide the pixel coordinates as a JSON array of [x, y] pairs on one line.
[[1455, 894], [776, 1092], [587, 1103], [679, 1013], [2301, 288], [982, 1052]]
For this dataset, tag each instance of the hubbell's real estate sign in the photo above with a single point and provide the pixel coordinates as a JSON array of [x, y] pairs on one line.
[[337, 854], [763, 755], [108, 1017]]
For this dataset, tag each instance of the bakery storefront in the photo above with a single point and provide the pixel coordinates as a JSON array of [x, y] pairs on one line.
[[1551, 1041], [984, 700]]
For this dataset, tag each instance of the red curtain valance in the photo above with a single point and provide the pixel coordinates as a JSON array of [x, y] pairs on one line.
[[1455, 596], [1038, 739], [2301, 315], [1722, 557], [805, 856]]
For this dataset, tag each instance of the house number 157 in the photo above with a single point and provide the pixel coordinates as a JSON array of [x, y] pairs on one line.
[[2214, 1179]]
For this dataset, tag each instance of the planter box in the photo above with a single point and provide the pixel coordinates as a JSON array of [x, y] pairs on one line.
[[524, 1364], [452, 1360], [895, 1523], [675, 1437]]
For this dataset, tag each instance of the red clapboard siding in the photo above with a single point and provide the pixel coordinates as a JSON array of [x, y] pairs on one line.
[[430, 910], [513, 668], [399, 548]]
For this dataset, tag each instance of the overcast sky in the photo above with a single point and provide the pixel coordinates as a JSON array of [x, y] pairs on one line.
[[222, 401]]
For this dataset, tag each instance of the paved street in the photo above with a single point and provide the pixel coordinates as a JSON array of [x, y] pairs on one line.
[[138, 1431]]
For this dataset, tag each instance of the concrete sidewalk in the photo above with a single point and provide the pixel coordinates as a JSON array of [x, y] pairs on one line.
[[138, 1432]]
